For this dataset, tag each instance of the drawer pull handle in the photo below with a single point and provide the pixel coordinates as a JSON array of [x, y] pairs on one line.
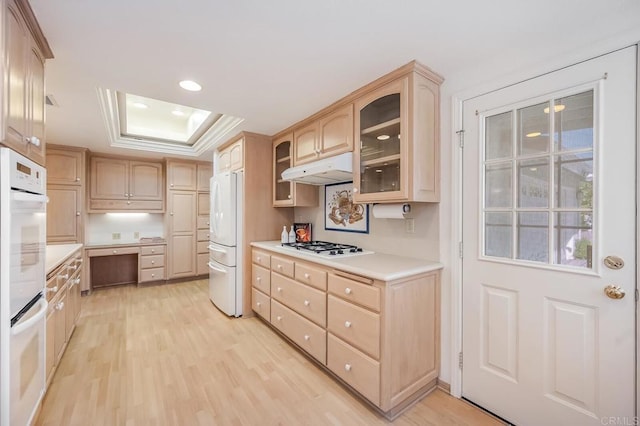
[[347, 367], [259, 279], [60, 306], [153, 251], [306, 275], [64, 277], [258, 304], [259, 259], [279, 318], [279, 289], [153, 275], [115, 251], [347, 324], [53, 289], [153, 262], [307, 303], [347, 290], [279, 266], [307, 337]]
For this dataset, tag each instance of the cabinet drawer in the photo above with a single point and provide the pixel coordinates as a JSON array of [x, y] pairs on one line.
[[203, 222], [203, 235], [353, 291], [314, 277], [303, 299], [151, 274], [261, 279], [154, 261], [261, 304], [146, 250], [202, 264], [112, 251], [357, 326], [358, 370], [261, 258], [56, 281], [203, 247], [282, 266], [304, 333]]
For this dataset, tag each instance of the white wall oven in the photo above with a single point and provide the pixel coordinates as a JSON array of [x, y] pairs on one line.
[[22, 281]]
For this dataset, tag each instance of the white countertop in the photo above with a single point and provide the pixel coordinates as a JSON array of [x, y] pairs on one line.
[[380, 266], [58, 253]]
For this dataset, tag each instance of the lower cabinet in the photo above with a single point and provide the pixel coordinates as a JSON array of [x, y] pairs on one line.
[[378, 337], [152, 263], [63, 295]]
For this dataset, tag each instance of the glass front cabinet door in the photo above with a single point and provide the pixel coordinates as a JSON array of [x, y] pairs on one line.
[[286, 193], [397, 133]]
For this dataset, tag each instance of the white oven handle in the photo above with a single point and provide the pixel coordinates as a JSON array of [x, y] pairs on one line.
[[24, 196], [17, 329], [217, 269]]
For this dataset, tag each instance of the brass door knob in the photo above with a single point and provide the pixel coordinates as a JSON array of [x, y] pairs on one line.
[[614, 291]]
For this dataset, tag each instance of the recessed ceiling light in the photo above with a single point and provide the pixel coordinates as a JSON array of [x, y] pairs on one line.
[[383, 137], [191, 86], [140, 105], [556, 108], [533, 134], [177, 112]]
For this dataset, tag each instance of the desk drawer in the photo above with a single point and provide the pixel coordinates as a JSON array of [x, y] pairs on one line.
[[146, 250], [155, 261], [153, 274], [115, 251]]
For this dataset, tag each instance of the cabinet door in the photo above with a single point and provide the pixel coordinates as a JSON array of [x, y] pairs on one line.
[[305, 145], [182, 212], [224, 161], [35, 114], [282, 189], [65, 167], [382, 128], [17, 41], [64, 217], [146, 181], [182, 255], [204, 204], [236, 154], [182, 176], [336, 132], [109, 179], [205, 171]]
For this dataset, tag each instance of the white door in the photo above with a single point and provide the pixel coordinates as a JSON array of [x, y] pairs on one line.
[[223, 208], [549, 216]]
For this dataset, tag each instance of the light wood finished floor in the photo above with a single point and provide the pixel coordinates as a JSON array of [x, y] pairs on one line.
[[166, 355]]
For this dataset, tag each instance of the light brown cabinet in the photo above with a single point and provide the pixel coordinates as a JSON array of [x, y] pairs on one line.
[[63, 294], [397, 124], [328, 136], [205, 171], [25, 52], [286, 193], [182, 208], [151, 263], [182, 176], [65, 188], [379, 337], [118, 184], [231, 158]]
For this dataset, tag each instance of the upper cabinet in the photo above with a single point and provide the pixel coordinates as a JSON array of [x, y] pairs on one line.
[[330, 135], [287, 193], [398, 154], [65, 166], [182, 175], [205, 171], [118, 184], [230, 157], [24, 57]]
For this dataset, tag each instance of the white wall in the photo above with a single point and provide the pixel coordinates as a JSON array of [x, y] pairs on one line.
[[100, 227]]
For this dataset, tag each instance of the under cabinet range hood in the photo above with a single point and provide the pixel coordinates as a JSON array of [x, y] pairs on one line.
[[329, 170]]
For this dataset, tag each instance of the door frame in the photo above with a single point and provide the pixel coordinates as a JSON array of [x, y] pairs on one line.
[[457, 105]]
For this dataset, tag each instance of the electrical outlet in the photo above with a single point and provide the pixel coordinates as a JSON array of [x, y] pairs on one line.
[[115, 236], [136, 235], [409, 226]]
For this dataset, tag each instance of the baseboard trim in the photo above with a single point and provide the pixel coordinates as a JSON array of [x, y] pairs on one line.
[[446, 387]]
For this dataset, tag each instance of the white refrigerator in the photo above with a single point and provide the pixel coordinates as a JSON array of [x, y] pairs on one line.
[[225, 247]]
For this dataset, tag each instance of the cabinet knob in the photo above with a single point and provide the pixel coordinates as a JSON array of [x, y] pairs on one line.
[[128, 202], [64, 277], [153, 250], [153, 262], [53, 289], [32, 140], [307, 337], [171, 214], [355, 189], [115, 251], [279, 318], [258, 304], [259, 279], [347, 324], [77, 213], [279, 289], [171, 185], [279, 266], [289, 196], [77, 281], [307, 303], [77, 179], [259, 259], [347, 367], [60, 306], [153, 275], [347, 290], [306, 275]]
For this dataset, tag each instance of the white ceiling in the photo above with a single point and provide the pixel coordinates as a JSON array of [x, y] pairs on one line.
[[277, 62]]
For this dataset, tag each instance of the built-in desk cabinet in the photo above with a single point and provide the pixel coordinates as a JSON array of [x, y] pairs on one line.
[[63, 295], [379, 337]]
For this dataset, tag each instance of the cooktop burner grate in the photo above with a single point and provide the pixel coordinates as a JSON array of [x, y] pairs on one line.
[[324, 247]]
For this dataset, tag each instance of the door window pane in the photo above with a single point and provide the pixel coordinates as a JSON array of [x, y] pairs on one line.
[[574, 180], [498, 185], [574, 122], [498, 234], [533, 183], [533, 236], [533, 129], [574, 237], [499, 136]]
